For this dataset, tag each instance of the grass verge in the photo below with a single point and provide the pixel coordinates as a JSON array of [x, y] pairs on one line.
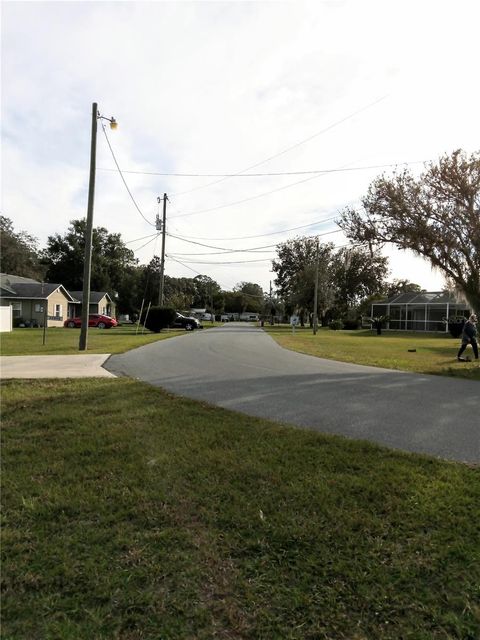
[[129, 514], [59, 341], [406, 351]]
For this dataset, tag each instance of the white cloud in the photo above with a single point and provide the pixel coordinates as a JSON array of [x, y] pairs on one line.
[[215, 87]]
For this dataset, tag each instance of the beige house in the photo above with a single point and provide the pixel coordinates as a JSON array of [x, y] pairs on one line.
[[100, 302], [34, 303]]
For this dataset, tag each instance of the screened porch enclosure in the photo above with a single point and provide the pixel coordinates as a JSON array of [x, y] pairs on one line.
[[420, 311]]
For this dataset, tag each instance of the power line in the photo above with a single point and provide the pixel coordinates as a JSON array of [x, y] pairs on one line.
[[144, 245], [260, 175], [260, 195], [153, 235], [263, 235], [223, 263], [267, 246], [123, 179], [341, 246], [222, 253], [286, 150], [249, 295]]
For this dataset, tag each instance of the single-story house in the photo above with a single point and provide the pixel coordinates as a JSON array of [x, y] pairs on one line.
[[34, 303], [100, 302], [419, 311]]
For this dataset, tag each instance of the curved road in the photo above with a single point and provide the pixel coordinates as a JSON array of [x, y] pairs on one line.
[[242, 368]]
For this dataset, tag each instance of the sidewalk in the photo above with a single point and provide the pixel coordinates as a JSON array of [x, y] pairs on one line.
[[75, 366]]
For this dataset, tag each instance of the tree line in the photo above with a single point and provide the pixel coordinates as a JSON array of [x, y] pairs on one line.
[[116, 270], [436, 215]]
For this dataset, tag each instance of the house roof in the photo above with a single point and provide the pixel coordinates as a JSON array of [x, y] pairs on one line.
[[33, 291], [9, 279], [422, 297], [5, 290], [95, 296]]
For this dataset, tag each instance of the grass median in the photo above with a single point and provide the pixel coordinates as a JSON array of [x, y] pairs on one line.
[[129, 513], [406, 351]]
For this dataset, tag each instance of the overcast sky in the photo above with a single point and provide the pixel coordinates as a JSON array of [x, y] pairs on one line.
[[224, 88]]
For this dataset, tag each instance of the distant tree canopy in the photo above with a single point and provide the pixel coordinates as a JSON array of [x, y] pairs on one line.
[[113, 264], [358, 274], [249, 297], [19, 252], [437, 216], [345, 276], [64, 257], [399, 286]]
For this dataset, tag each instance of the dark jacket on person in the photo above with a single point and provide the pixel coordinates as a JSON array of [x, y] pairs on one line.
[[469, 331]]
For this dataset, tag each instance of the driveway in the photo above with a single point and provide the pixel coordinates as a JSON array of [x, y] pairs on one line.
[[242, 368], [75, 366]]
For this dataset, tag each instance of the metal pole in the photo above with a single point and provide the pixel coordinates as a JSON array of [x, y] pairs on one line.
[[140, 316], [146, 317], [87, 267], [162, 263], [45, 320]]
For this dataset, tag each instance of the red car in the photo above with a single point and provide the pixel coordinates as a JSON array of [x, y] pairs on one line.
[[94, 320]]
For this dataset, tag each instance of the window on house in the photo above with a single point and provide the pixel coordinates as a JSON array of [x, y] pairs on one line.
[[58, 310], [16, 309], [39, 308]]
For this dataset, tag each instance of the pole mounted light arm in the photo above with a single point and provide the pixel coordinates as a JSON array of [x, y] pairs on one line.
[[112, 121]]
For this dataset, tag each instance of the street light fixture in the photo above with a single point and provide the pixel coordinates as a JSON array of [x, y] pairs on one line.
[[87, 267]]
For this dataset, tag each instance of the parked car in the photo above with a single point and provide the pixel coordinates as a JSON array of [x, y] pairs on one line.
[[224, 318], [187, 323], [94, 320]]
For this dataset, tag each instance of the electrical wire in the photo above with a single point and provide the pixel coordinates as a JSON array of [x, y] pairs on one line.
[[263, 235], [138, 239], [287, 149], [123, 179], [341, 246], [260, 175], [144, 245], [222, 253], [223, 263], [267, 246], [248, 295], [259, 195]]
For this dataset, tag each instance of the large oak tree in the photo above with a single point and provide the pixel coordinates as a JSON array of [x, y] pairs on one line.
[[437, 216], [19, 252]]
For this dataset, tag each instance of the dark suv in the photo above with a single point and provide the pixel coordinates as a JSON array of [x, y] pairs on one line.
[[189, 324]]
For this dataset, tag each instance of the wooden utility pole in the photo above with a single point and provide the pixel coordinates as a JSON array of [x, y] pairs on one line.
[[87, 265], [315, 295], [162, 263]]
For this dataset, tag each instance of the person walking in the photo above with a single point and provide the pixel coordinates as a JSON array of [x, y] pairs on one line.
[[469, 336]]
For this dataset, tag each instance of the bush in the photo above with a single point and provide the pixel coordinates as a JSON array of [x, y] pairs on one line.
[[335, 325], [455, 326], [351, 324], [158, 318]]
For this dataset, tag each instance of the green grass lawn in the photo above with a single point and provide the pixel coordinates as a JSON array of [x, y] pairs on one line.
[[28, 342], [433, 353], [132, 514]]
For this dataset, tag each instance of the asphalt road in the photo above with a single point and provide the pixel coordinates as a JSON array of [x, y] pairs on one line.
[[242, 368]]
